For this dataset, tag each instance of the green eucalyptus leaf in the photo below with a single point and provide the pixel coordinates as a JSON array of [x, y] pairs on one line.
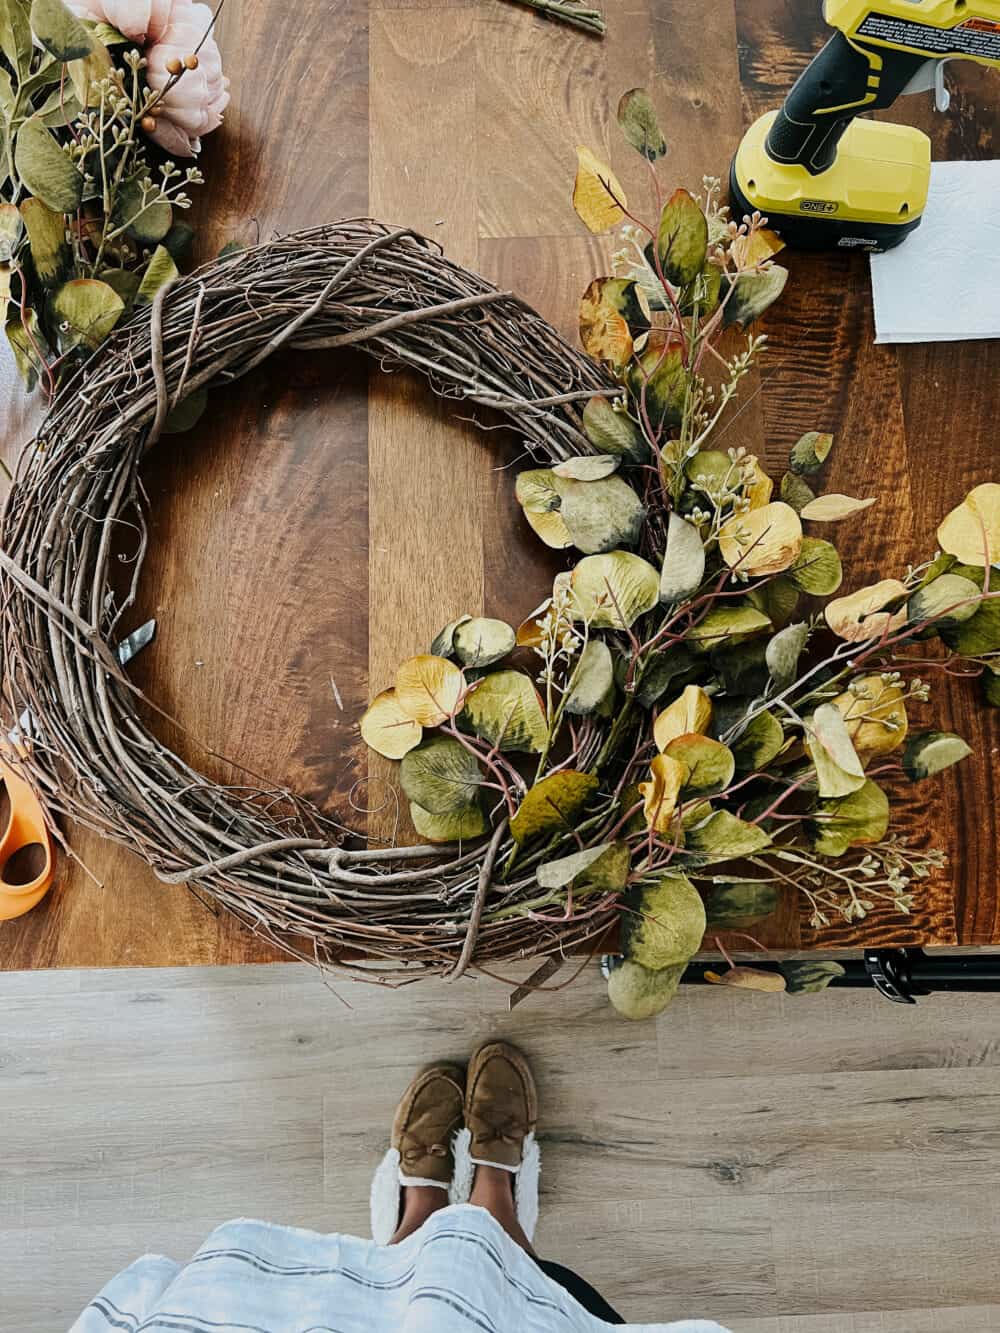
[[709, 763], [160, 272], [50, 253], [552, 804], [87, 310], [783, 653], [817, 569], [59, 109], [506, 710], [593, 681], [752, 294], [930, 752], [481, 641], [600, 515], [59, 30], [947, 601], [613, 432], [795, 492], [658, 381], [178, 239], [108, 35], [15, 36], [682, 238], [468, 823], [741, 667], [587, 467], [723, 837], [26, 348], [859, 817], [980, 634], [683, 561], [761, 741], [45, 169], [122, 280], [712, 472], [11, 227], [989, 683], [811, 452], [740, 905], [187, 413], [663, 670], [663, 923], [808, 976], [638, 992], [613, 590], [147, 223], [444, 640], [778, 598], [726, 624], [603, 868], [441, 776], [637, 118]]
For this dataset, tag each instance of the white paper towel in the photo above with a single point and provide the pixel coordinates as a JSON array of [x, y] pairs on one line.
[[943, 283]]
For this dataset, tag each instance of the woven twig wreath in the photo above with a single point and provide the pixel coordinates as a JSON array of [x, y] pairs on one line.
[[282, 867]]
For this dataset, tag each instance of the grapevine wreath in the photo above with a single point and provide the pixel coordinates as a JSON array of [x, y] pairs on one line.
[[688, 720]]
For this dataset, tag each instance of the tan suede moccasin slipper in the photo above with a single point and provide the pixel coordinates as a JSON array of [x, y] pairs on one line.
[[420, 1153], [501, 1111]]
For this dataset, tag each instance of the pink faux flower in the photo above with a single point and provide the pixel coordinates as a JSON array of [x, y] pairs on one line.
[[169, 30]]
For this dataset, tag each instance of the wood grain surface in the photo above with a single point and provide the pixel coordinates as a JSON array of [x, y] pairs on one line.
[[784, 1164], [326, 519]]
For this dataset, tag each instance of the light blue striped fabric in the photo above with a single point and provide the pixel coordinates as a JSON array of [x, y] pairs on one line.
[[460, 1273]]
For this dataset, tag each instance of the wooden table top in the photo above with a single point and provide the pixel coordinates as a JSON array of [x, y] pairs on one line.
[[323, 522]]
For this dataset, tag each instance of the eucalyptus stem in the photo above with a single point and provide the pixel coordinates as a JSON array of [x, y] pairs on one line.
[[566, 11]]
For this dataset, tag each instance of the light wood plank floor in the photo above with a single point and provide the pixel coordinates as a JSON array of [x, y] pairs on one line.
[[826, 1164]]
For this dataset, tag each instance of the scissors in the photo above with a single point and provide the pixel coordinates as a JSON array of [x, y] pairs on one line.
[[27, 852]]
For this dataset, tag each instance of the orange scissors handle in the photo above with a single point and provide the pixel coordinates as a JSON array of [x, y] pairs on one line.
[[27, 855]]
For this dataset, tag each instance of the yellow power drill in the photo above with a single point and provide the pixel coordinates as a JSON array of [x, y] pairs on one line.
[[826, 179]]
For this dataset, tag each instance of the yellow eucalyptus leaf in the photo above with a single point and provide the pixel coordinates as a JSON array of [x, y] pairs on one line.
[[667, 777], [429, 689], [860, 615], [832, 508], [762, 541], [750, 250], [598, 196], [748, 978], [387, 729], [691, 713], [758, 491], [971, 532], [875, 715]]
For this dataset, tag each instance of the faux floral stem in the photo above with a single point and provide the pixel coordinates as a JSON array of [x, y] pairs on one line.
[[591, 20]]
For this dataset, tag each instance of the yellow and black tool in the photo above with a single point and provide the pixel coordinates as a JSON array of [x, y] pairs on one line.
[[826, 179]]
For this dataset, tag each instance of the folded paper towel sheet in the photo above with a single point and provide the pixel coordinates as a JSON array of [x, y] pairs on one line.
[[943, 283]]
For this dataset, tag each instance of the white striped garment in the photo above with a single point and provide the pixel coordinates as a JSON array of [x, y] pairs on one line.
[[460, 1273]]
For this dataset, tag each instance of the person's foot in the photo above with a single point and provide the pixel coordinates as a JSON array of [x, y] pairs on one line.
[[426, 1120], [501, 1110]]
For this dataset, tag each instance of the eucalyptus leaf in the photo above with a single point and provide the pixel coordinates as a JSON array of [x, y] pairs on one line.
[[683, 561], [613, 432], [187, 413], [663, 923], [505, 710], [638, 992], [980, 634], [481, 641], [600, 515], [709, 763], [637, 118], [783, 653], [811, 452], [741, 667], [817, 569], [613, 590], [861, 816], [26, 348], [829, 745], [160, 272], [15, 36], [50, 253], [552, 804], [468, 823], [752, 294], [778, 598], [948, 601], [682, 238], [673, 666], [45, 169], [930, 752], [723, 837], [796, 492], [761, 740], [659, 381], [87, 310], [59, 30], [604, 868], [989, 683], [726, 624], [588, 467], [808, 976], [147, 222], [740, 905], [593, 681], [444, 641], [441, 776]]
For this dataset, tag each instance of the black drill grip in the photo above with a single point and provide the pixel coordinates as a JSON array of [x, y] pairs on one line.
[[839, 83]]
